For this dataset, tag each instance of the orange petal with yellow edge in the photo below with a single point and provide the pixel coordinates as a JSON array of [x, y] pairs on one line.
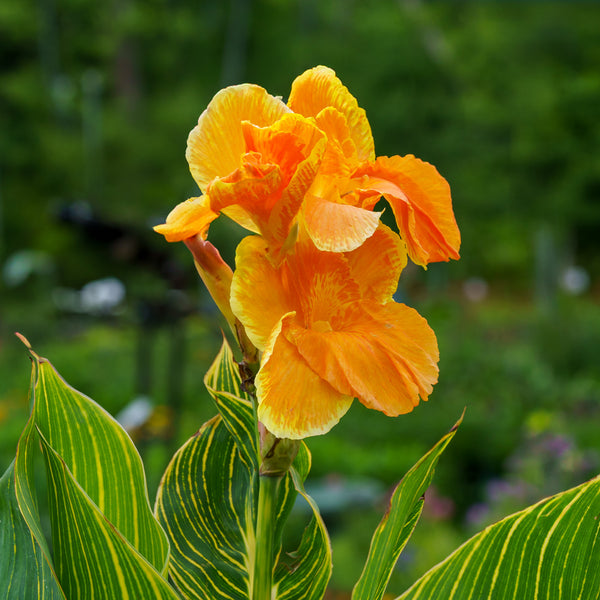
[[189, 218], [319, 88], [385, 355], [421, 201], [293, 401], [216, 144], [258, 297], [377, 264], [337, 227]]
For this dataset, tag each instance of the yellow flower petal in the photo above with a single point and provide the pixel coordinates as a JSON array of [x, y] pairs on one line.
[[293, 401], [319, 88], [376, 265], [216, 144], [337, 227], [385, 355], [258, 296], [188, 219], [420, 199]]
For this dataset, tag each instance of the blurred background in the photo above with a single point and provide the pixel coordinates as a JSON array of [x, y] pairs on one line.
[[96, 101]]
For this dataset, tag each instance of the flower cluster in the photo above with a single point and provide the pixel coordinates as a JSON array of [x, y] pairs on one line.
[[313, 288]]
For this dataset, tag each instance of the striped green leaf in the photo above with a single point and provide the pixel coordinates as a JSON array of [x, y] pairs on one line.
[[25, 568], [106, 542], [398, 523], [549, 551], [223, 382], [207, 504], [101, 457], [93, 559]]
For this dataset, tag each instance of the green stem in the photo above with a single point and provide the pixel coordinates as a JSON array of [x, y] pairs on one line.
[[265, 529]]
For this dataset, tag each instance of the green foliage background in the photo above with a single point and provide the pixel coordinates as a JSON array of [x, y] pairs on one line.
[[96, 101]]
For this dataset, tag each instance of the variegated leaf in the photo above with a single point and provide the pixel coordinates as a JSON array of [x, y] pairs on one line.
[[398, 523], [549, 551]]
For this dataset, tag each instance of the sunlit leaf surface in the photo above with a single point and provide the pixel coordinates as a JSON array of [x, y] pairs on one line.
[[93, 559], [106, 542], [549, 551]]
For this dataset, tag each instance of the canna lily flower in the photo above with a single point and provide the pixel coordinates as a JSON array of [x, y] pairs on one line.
[[330, 332], [338, 209], [254, 160]]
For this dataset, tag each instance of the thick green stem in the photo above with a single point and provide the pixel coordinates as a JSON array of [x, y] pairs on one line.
[[265, 530]]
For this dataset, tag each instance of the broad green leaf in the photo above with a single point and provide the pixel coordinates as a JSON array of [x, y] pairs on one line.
[[78, 435], [207, 502], [93, 559], [25, 570], [101, 457], [34, 569], [549, 551], [397, 525]]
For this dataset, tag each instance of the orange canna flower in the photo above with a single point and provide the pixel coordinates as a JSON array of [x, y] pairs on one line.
[[329, 332], [338, 210], [254, 160]]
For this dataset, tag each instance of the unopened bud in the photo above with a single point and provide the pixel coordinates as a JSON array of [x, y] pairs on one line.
[[214, 272]]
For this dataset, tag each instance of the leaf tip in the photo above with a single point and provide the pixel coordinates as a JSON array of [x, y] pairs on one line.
[[27, 345], [24, 340], [460, 420]]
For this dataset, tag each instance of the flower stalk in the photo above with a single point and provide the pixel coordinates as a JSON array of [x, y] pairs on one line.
[[262, 588]]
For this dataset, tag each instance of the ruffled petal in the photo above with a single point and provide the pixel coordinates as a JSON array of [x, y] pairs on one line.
[[293, 401], [337, 227], [376, 265], [258, 296], [297, 146], [276, 171], [187, 219], [420, 199], [341, 158], [216, 144], [385, 355], [254, 187], [319, 88]]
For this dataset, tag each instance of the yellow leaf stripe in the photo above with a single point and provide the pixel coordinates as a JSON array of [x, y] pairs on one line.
[[549, 551], [93, 559], [201, 504], [102, 458]]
